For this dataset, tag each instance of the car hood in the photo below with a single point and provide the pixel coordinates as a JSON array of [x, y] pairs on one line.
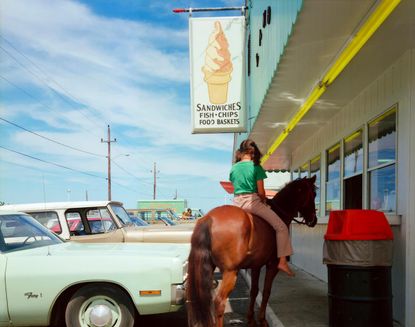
[[159, 227], [110, 249], [159, 234]]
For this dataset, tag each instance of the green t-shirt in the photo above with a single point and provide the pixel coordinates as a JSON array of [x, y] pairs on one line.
[[244, 176]]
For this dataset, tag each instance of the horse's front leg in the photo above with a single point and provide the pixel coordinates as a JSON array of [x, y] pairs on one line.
[[226, 287], [252, 297], [271, 272]]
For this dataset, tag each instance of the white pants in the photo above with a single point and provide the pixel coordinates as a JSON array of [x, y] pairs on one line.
[[253, 204]]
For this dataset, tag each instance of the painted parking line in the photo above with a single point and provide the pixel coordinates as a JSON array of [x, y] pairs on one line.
[[270, 316]]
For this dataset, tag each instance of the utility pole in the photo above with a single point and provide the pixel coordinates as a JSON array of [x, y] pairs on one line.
[[109, 141], [155, 171]]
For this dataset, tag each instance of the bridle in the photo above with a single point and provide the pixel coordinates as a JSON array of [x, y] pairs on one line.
[[301, 222], [304, 222]]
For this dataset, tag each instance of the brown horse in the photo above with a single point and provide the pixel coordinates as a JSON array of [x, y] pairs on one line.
[[231, 239]]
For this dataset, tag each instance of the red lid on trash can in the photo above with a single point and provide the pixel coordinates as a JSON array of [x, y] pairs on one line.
[[354, 224]]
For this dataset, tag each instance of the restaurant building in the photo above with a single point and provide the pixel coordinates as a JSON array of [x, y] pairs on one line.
[[331, 92]]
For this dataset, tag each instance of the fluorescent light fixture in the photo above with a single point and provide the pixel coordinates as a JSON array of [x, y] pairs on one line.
[[369, 27]]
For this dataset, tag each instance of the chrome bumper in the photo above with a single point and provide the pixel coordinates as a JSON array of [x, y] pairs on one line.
[[178, 294]]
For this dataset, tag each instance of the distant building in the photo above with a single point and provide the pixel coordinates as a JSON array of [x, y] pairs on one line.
[[178, 206]]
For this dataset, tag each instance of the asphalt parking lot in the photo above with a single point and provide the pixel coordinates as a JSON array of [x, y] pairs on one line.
[[235, 314]]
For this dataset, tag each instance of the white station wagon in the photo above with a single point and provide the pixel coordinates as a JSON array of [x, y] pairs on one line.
[[99, 222]]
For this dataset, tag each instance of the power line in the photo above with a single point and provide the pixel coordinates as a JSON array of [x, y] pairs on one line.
[[52, 163], [24, 91], [51, 140], [129, 173], [126, 187], [42, 171], [14, 164], [74, 99], [33, 97], [31, 61]]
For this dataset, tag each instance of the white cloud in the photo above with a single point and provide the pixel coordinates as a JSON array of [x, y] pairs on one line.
[[96, 70], [115, 67]]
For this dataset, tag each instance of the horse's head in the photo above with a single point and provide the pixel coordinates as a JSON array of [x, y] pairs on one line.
[[307, 204], [297, 196]]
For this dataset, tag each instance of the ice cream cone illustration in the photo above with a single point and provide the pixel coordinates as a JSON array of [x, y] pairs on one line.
[[218, 66]]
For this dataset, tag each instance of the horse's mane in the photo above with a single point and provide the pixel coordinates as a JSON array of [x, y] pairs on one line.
[[294, 184], [285, 194]]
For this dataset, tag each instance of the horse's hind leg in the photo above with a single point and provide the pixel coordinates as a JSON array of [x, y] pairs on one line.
[[271, 272], [253, 294], [226, 287]]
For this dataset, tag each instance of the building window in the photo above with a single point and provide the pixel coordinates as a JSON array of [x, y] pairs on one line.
[[315, 170], [353, 171], [333, 178], [296, 174], [304, 170], [382, 162]]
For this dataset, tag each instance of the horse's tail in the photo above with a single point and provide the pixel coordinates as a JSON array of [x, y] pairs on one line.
[[200, 276]]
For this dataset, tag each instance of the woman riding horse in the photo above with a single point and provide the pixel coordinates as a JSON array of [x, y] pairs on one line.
[[247, 177], [230, 238]]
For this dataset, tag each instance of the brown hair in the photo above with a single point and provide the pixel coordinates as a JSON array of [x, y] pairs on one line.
[[248, 147]]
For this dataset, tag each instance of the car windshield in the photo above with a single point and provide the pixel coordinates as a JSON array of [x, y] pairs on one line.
[[174, 215], [167, 220], [20, 232], [138, 221], [197, 213], [122, 215]]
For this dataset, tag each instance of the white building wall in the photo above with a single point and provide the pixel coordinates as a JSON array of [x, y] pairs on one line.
[[395, 86], [409, 227]]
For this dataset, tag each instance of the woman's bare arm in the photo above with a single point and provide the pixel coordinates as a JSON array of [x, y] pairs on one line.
[[261, 189]]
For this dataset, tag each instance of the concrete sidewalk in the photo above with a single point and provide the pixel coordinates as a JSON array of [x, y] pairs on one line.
[[300, 301]]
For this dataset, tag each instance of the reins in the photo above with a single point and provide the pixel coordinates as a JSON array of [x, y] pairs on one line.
[[288, 217], [302, 222]]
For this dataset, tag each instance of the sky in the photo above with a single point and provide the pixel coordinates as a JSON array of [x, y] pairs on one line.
[[70, 68]]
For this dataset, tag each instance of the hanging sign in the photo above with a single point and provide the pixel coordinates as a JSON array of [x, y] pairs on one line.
[[217, 74]]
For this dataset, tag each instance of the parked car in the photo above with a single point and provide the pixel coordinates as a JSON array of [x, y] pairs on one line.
[[47, 281], [115, 224], [97, 225], [190, 216], [197, 213], [158, 216]]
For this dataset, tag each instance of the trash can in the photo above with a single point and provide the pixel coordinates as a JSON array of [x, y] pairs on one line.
[[358, 253]]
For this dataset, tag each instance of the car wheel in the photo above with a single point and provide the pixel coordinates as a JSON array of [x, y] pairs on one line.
[[99, 305]]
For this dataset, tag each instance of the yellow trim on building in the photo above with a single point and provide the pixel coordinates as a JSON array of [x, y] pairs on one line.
[[369, 27]]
